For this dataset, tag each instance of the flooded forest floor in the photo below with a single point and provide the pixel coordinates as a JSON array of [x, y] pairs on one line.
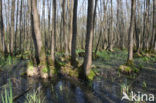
[[106, 87]]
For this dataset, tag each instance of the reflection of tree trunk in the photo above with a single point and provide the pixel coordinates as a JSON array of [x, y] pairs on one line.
[[12, 27], [89, 38], [131, 31], [74, 36]]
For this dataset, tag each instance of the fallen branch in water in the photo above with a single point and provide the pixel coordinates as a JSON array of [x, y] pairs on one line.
[[17, 97]]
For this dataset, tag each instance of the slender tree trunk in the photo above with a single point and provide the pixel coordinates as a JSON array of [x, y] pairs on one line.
[[94, 21], [2, 31], [12, 27], [16, 26], [131, 32], [137, 28], [110, 36], [146, 25], [1, 27], [96, 49], [74, 36], [53, 32], [120, 23], [89, 38], [70, 26], [21, 26], [154, 24], [64, 27]]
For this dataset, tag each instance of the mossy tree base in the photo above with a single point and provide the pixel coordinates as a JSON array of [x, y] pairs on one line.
[[130, 63], [68, 71], [41, 71], [88, 77]]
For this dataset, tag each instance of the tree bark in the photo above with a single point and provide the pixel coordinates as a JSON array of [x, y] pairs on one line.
[[74, 36], [64, 27], [154, 24], [12, 27], [21, 26], [53, 32], [131, 32], [110, 36], [89, 38], [37, 35], [2, 31], [16, 26], [70, 27]]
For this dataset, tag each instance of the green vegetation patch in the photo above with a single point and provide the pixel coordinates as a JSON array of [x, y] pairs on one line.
[[30, 65], [7, 96], [128, 69], [34, 97], [70, 71], [104, 55], [91, 75], [45, 70]]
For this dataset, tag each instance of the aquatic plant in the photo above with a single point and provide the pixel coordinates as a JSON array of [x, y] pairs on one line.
[[34, 97], [144, 85], [7, 96]]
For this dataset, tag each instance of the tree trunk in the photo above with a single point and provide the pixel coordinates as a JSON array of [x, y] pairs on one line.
[[12, 27], [89, 38], [94, 21], [154, 24], [131, 31], [64, 27], [16, 26], [53, 32], [36, 27], [21, 27], [74, 36], [2, 31], [110, 36], [70, 27]]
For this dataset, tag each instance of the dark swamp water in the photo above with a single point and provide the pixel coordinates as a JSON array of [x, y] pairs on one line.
[[106, 87]]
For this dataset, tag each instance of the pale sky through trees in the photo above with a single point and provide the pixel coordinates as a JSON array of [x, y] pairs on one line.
[[82, 8]]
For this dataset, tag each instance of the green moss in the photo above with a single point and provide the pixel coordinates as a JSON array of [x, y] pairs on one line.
[[136, 70], [91, 75], [125, 69], [130, 63], [30, 65], [68, 70], [45, 70], [128, 69]]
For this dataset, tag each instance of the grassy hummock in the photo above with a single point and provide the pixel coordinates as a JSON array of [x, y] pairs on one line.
[[128, 69]]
